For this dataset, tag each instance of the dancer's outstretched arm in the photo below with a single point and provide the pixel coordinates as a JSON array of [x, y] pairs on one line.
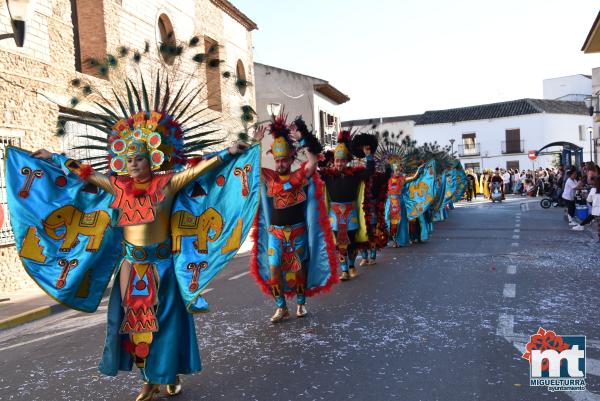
[[84, 171], [181, 179]]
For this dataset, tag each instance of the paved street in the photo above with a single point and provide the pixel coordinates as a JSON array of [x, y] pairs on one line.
[[445, 320]]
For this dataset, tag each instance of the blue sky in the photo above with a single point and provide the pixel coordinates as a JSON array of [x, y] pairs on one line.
[[397, 57]]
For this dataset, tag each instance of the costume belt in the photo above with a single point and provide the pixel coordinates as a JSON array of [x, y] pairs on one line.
[[287, 235], [342, 212], [147, 253], [141, 297]]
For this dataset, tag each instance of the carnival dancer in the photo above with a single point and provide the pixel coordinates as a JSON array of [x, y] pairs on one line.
[[374, 200], [294, 251], [164, 230], [395, 214], [345, 192], [472, 184], [485, 183], [375, 195]]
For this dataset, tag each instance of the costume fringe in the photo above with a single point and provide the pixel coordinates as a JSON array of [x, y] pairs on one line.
[[85, 171], [329, 241], [194, 161]]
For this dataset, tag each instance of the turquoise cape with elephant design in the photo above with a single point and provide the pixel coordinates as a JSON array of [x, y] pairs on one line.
[[69, 243]]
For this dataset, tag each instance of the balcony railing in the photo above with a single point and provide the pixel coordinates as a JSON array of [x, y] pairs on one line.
[[513, 147], [466, 150]]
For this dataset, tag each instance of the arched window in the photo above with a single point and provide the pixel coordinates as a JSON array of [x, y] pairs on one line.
[[168, 44], [241, 81]]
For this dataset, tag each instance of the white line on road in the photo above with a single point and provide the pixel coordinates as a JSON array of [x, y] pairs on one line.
[[516, 230], [238, 276], [509, 290], [506, 324], [517, 225], [583, 396], [207, 290], [512, 269], [514, 244], [35, 340], [592, 366], [516, 236]]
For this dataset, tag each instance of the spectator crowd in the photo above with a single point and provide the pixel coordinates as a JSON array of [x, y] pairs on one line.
[[578, 190]]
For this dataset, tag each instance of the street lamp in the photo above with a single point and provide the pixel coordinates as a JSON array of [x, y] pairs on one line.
[[19, 12], [273, 109], [452, 144], [593, 105], [591, 132]]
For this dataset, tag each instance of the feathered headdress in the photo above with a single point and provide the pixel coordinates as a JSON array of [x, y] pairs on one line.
[[393, 151], [280, 130], [359, 141], [342, 150], [441, 154], [152, 109]]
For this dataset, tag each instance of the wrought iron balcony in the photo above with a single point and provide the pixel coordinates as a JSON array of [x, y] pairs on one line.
[[513, 147], [469, 149]]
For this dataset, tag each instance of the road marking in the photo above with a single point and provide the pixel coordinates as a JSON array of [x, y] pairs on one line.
[[512, 269], [506, 324], [583, 395], [35, 340], [207, 290], [517, 225], [592, 366], [238, 276], [510, 290], [516, 230], [514, 244], [516, 236]]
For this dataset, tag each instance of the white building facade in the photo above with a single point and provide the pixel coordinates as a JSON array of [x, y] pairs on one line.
[[572, 87], [592, 45], [502, 134], [398, 124], [315, 99]]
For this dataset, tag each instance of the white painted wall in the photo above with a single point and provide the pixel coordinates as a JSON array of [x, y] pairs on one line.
[[322, 103], [294, 91], [537, 130], [596, 89], [555, 88], [407, 127]]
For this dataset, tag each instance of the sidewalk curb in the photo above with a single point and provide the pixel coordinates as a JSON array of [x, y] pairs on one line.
[[31, 315], [45, 311]]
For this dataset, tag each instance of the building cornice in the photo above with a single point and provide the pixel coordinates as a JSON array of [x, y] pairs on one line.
[[592, 41], [331, 92], [235, 13]]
